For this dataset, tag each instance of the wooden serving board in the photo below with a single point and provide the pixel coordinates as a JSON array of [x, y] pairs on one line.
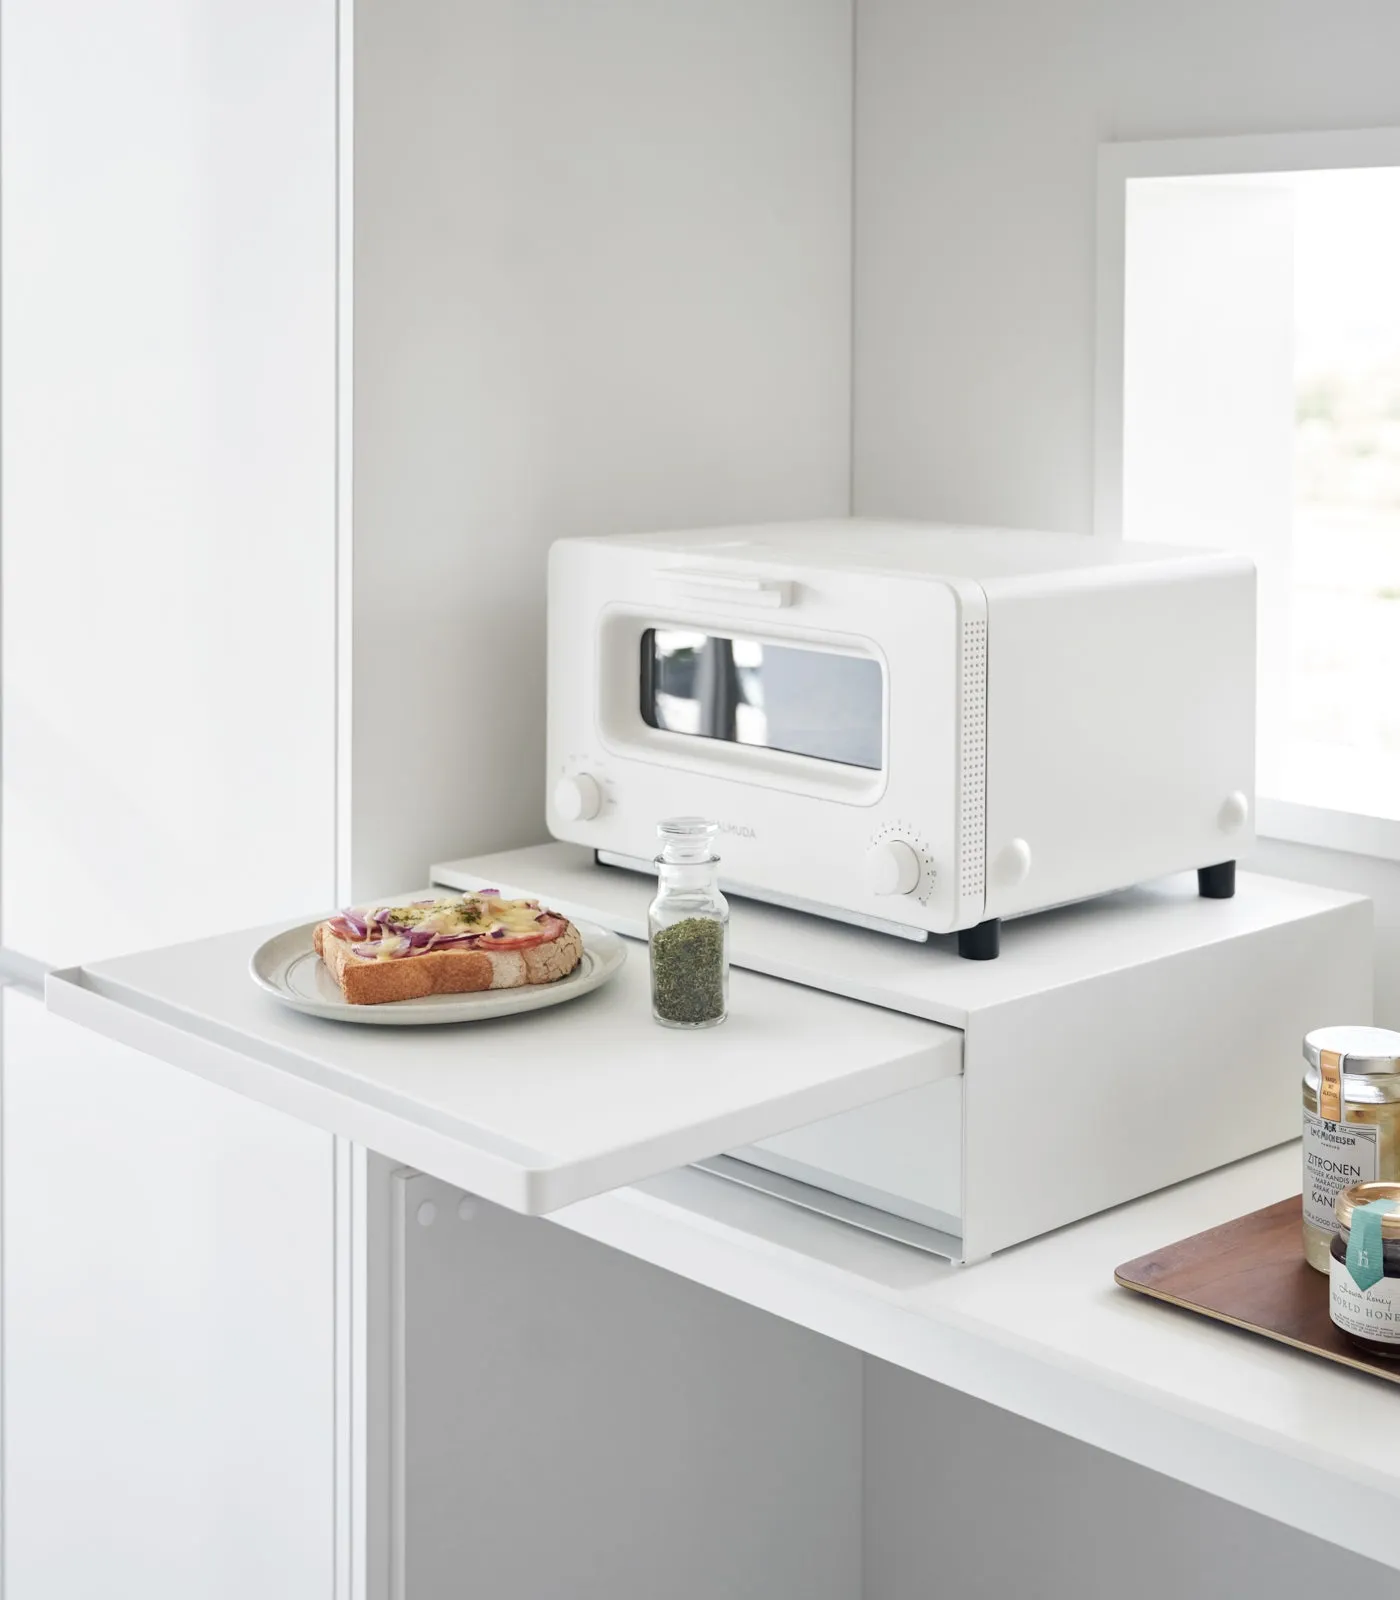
[[1251, 1274]]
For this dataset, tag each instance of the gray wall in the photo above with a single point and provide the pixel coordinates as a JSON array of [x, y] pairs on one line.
[[977, 130], [601, 283]]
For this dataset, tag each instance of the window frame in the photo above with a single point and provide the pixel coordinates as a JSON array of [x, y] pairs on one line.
[[1118, 164]]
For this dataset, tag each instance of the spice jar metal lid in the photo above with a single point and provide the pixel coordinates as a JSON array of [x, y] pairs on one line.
[[1349, 1201], [1369, 1050]]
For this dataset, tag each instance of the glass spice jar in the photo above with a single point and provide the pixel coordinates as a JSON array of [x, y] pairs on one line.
[[688, 927], [1364, 1295], [1351, 1123]]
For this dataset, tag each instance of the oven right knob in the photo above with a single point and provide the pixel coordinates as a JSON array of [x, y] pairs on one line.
[[577, 798], [892, 867]]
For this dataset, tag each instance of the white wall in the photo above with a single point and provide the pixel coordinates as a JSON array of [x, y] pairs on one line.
[[602, 282], [977, 130], [168, 757]]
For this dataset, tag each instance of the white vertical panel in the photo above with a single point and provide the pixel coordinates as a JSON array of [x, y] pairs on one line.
[[602, 282], [168, 1348], [168, 764], [169, 319]]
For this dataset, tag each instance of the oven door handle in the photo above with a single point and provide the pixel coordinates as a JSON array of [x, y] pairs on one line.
[[769, 593]]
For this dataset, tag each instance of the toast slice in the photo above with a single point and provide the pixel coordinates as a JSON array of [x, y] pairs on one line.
[[366, 978]]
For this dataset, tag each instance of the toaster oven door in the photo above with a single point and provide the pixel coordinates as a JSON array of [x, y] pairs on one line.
[[823, 704]]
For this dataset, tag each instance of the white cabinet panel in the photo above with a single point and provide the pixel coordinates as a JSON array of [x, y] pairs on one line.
[[577, 1425], [168, 764], [1017, 1509], [169, 468], [168, 1330]]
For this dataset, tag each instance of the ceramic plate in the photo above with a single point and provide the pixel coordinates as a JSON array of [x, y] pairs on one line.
[[289, 969]]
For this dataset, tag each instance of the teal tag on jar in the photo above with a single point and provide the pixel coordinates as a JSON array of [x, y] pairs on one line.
[[1365, 1249]]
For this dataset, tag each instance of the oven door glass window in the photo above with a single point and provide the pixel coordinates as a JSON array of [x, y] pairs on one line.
[[776, 697]]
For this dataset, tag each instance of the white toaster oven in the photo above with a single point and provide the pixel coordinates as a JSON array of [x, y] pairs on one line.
[[914, 728]]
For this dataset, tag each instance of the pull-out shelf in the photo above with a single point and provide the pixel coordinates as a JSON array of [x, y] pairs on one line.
[[533, 1111], [1110, 1051]]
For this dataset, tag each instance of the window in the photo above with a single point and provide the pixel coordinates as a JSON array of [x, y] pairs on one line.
[[1249, 399]]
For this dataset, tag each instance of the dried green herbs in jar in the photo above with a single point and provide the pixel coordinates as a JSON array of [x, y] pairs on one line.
[[688, 925], [687, 972]]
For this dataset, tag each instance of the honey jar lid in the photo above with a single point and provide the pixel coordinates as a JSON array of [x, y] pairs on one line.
[[1349, 1201], [1361, 1049]]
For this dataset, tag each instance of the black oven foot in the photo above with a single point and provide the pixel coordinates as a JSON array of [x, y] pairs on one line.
[[1216, 883], [982, 943]]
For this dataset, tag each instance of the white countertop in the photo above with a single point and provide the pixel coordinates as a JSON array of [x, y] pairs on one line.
[[1043, 1331]]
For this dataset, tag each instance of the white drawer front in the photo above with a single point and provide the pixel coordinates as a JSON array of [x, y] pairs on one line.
[[901, 1154]]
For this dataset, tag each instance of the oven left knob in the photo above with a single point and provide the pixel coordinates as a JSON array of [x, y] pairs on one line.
[[577, 797], [892, 867]]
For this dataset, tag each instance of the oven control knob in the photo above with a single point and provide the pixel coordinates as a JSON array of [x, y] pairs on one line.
[[577, 798], [892, 867]]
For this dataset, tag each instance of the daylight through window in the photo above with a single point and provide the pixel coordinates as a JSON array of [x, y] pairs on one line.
[[1261, 412]]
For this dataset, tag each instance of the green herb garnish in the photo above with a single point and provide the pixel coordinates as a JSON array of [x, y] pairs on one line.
[[687, 971]]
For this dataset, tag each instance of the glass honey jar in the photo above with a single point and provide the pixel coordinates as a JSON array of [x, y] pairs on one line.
[[1351, 1124], [1365, 1294]]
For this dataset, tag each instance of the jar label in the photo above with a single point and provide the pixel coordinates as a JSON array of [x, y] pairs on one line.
[[1329, 1092], [1372, 1313], [1366, 1242], [1335, 1155]]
